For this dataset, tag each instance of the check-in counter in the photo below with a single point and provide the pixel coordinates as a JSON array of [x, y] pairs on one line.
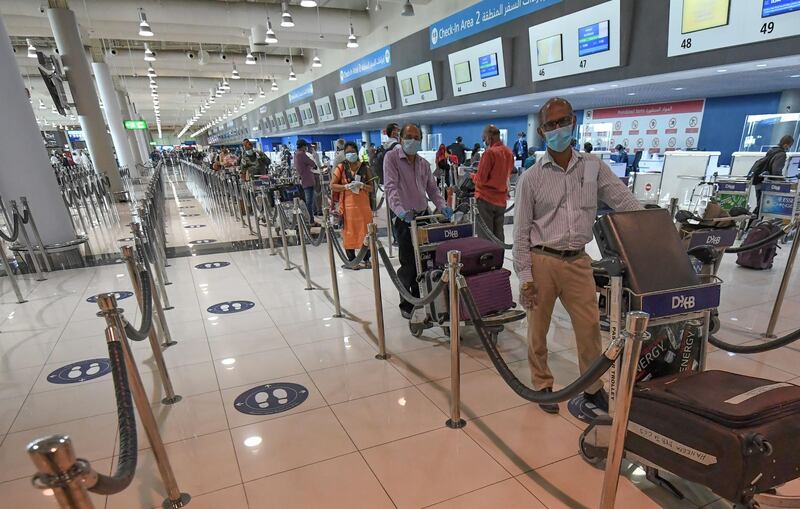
[[682, 172], [741, 162]]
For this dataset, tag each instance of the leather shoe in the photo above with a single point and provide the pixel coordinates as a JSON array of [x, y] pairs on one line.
[[550, 408]]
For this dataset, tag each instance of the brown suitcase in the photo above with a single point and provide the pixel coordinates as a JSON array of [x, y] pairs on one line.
[[735, 434]]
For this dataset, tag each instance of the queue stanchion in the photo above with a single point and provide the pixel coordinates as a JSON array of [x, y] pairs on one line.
[[138, 234], [158, 356], [636, 330], [282, 227], [298, 217], [332, 263], [113, 315], [254, 207], [389, 229], [28, 244], [236, 200], [268, 219], [376, 289], [11, 276], [787, 274], [453, 273], [245, 204], [27, 212], [59, 470], [473, 213]]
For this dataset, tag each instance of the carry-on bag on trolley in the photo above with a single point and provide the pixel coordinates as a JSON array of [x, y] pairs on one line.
[[477, 255], [735, 434], [491, 291]]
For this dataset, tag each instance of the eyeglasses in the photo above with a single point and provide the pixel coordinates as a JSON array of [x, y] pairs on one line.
[[555, 124]]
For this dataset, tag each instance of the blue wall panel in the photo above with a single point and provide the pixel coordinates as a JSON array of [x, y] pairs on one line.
[[472, 131], [723, 120]]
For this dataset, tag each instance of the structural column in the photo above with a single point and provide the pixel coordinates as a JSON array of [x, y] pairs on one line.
[[425, 130], [76, 66], [365, 136], [534, 140], [114, 115], [130, 135], [26, 169]]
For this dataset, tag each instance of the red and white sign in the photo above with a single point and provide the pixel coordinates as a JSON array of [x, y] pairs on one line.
[[682, 121], [648, 186]]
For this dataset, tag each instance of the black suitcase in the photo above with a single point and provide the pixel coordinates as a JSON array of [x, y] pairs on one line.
[[735, 434]]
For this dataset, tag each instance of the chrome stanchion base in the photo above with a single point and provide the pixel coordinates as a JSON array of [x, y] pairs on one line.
[[168, 344], [768, 336], [450, 423], [171, 401], [169, 307], [175, 504], [377, 356]]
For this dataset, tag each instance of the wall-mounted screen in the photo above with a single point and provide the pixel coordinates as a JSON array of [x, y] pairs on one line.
[[327, 108], [320, 111], [341, 103], [463, 73], [704, 14], [487, 66], [369, 97], [593, 39], [775, 7], [324, 113], [407, 87], [424, 82], [351, 102], [346, 100], [382, 94], [549, 50]]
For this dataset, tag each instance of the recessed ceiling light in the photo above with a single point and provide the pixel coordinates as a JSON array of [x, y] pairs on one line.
[[613, 86], [678, 88], [631, 93], [31, 49], [494, 111], [308, 3], [722, 70], [795, 76], [352, 40], [761, 65], [591, 89]]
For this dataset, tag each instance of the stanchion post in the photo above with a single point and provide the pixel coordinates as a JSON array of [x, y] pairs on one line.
[[332, 262], [389, 229], [31, 252], [376, 289], [787, 274], [11, 276], [268, 219], [636, 330], [136, 228], [473, 213], [36, 235], [254, 207], [283, 232], [453, 268], [298, 217], [108, 309], [54, 458]]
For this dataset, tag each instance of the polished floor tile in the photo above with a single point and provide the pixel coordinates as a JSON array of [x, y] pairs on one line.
[[334, 352], [248, 369], [352, 381], [482, 392], [508, 493]]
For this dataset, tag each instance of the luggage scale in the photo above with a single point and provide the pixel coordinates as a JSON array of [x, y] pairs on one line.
[[427, 232]]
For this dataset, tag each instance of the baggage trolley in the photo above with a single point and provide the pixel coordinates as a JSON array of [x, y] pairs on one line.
[[427, 232]]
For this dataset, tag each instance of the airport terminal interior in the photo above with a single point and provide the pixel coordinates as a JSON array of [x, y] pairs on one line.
[[367, 254]]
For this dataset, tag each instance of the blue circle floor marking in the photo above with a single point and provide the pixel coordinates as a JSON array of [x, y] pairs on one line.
[[271, 398], [119, 295], [212, 265], [202, 241], [81, 371], [233, 306]]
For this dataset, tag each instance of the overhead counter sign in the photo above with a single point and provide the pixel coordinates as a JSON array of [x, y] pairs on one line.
[[375, 61], [135, 125], [300, 93], [482, 16]]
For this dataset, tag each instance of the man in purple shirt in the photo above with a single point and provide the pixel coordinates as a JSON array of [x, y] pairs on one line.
[[305, 167], [409, 184]]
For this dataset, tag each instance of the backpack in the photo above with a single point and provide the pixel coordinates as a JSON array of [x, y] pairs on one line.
[[379, 155], [759, 259], [761, 167]]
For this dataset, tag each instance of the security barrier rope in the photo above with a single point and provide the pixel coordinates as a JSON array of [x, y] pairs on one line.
[[417, 302]]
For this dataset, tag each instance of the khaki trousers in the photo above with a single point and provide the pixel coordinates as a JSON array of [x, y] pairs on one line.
[[571, 281]]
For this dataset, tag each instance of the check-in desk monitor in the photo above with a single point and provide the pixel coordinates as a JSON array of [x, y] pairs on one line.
[[742, 162], [682, 173]]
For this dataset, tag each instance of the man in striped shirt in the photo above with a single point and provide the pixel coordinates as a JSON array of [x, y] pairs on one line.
[[555, 209]]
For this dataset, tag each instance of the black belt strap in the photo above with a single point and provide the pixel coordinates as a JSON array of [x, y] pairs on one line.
[[558, 252]]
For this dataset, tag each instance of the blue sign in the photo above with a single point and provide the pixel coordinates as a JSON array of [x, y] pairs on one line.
[[785, 188], [81, 371], [681, 301], [300, 93], [190, 226], [201, 241], [487, 65], [593, 39], [212, 265], [270, 398], [119, 295], [456, 231], [777, 205], [482, 16], [723, 237], [775, 7], [189, 143], [375, 61], [732, 187], [234, 306]]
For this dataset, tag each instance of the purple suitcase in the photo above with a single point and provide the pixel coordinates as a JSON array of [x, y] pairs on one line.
[[491, 292], [477, 255]]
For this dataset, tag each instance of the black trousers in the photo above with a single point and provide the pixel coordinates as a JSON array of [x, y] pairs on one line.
[[494, 216], [351, 255], [408, 266]]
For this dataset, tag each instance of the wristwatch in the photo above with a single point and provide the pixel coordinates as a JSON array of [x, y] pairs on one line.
[[527, 285]]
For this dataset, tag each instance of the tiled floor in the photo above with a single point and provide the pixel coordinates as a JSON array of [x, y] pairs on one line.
[[370, 433]]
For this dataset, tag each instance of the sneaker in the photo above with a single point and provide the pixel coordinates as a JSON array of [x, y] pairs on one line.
[[598, 399], [550, 408]]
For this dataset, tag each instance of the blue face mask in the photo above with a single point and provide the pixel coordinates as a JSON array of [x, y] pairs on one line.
[[559, 139], [351, 157], [411, 147]]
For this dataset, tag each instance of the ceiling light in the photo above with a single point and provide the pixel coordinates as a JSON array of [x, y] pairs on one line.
[[54, 110], [225, 87], [286, 16], [408, 9], [270, 38], [316, 62], [677, 88], [261, 92], [218, 93], [151, 73], [722, 70], [795, 76], [631, 93], [274, 86], [31, 49], [249, 59], [41, 105], [144, 26], [352, 40], [613, 86], [250, 99], [761, 65], [292, 75], [149, 56], [308, 3], [235, 73]]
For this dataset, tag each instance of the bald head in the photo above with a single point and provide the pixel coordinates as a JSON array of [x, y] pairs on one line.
[[558, 103], [410, 131]]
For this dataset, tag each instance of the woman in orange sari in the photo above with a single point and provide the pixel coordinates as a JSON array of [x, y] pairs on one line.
[[352, 179]]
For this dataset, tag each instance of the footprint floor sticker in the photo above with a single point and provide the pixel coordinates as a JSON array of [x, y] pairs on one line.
[[234, 306], [81, 371], [119, 295], [212, 265], [271, 398]]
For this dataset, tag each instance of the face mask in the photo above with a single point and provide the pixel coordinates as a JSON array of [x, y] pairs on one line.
[[351, 157], [411, 147], [559, 139]]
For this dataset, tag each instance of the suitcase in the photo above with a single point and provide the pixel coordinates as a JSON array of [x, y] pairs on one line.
[[759, 259], [491, 292], [735, 434], [477, 255]]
